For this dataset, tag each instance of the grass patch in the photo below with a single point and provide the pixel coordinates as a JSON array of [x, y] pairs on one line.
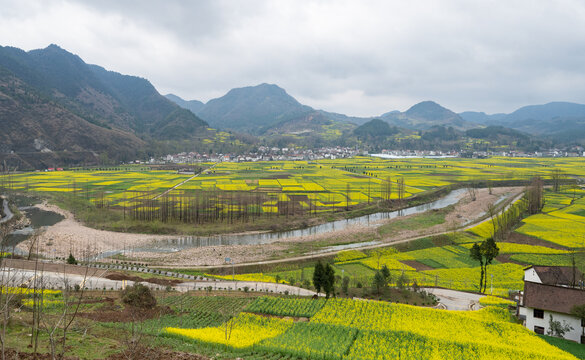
[[578, 350], [420, 221]]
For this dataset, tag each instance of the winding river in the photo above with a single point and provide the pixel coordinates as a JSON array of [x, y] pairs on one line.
[[171, 245], [41, 218]]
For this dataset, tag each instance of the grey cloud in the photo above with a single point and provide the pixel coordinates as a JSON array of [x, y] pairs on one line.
[[354, 57]]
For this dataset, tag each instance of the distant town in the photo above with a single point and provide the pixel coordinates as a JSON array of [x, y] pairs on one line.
[[266, 153]]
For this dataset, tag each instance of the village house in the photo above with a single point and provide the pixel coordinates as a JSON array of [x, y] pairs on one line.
[[552, 291]]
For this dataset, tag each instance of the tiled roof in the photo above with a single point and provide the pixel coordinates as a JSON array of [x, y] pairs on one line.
[[552, 298], [558, 275]]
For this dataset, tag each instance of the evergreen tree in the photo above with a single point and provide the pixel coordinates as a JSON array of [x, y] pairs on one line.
[[386, 273], [328, 280], [71, 260], [318, 276], [379, 281]]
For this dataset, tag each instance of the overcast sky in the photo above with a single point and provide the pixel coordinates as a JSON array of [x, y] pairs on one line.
[[359, 58]]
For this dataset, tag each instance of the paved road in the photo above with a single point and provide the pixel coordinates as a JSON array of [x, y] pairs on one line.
[[455, 300], [448, 299], [252, 286], [7, 213], [58, 280], [182, 182]]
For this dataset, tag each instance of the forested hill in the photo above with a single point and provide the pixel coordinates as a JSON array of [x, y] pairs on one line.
[[52, 102], [560, 122]]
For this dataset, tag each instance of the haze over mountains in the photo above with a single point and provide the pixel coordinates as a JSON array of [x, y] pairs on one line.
[[56, 108], [560, 120], [257, 109]]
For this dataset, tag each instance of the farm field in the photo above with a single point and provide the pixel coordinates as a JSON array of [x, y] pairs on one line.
[[277, 328], [444, 261], [287, 187], [231, 325], [354, 329], [436, 261]]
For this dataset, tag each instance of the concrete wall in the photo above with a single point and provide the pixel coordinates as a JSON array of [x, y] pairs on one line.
[[532, 276], [531, 322]]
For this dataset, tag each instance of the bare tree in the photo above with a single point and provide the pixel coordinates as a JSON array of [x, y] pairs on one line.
[[493, 214], [229, 316], [8, 297], [57, 327], [347, 196], [386, 189], [472, 191], [557, 177], [535, 195], [401, 190]]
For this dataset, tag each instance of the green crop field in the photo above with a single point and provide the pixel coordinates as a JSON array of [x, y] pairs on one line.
[[357, 329], [285, 187], [291, 188], [450, 266]]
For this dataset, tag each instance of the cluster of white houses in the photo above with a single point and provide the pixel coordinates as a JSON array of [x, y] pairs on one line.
[[550, 293]]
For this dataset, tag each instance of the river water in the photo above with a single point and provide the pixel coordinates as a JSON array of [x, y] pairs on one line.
[[171, 245], [40, 218]]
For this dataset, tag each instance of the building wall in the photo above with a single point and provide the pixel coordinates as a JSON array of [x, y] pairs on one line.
[[532, 276], [574, 322]]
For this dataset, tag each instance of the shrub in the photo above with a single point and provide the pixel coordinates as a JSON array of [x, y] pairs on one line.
[[71, 260], [138, 296]]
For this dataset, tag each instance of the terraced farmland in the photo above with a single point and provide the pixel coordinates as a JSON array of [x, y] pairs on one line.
[[242, 191], [355, 329]]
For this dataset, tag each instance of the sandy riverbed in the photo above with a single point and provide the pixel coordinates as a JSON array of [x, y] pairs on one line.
[[464, 212], [70, 235]]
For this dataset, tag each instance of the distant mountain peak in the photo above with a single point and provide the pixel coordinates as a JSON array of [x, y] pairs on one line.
[[55, 47], [434, 113], [426, 108], [425, 115], [252, 108], [262, 90]]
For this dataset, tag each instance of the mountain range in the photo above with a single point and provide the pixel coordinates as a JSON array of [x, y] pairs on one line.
[[561, 121], [268, 109], [55, 108]]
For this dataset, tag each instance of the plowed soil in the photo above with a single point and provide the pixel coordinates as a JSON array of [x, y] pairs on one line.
[[158, 281]]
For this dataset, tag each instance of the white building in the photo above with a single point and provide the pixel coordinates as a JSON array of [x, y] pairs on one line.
[[550, 291]]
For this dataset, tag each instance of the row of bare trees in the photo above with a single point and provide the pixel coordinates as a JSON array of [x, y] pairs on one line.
[[216, 206], [531, 203], [386, 189]]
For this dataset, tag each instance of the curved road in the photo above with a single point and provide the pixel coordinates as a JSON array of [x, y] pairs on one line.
[[58, 280], [7, 213], [448, 299], [455, 300]]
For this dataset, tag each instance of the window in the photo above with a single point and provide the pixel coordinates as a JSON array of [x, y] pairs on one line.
[[539, 330], [539, 314]]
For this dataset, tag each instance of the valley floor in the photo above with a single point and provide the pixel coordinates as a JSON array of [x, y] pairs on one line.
[[70, 235]]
